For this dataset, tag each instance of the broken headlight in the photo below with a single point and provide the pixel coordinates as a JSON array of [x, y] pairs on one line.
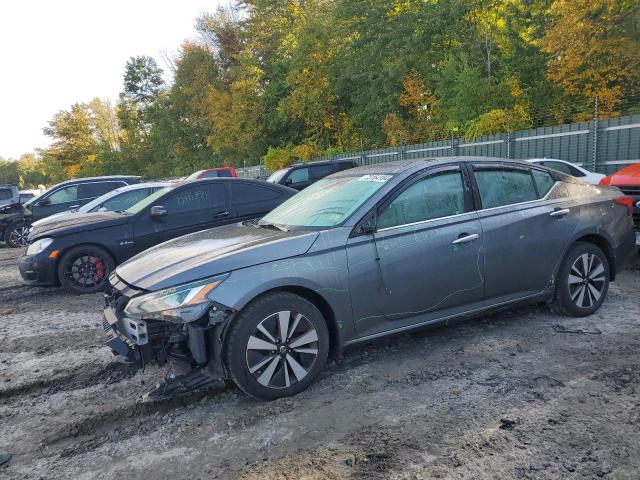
[[184, 303]]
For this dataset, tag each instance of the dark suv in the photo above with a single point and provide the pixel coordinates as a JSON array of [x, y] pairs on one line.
[[301, 175], [73, 194]]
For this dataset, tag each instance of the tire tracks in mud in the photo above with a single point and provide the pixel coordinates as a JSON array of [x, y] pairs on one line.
[[75, 379]]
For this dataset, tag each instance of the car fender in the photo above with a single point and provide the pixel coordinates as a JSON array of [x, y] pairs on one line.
[[326, 277]]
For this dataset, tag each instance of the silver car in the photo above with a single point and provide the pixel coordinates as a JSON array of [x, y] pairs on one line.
[[362, 254]]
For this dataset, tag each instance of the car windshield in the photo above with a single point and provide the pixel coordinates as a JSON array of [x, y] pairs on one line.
[[141, 205], [276, 176], [327, 202]]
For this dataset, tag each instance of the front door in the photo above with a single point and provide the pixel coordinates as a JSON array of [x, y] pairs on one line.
[[425, 260], [189, 209]]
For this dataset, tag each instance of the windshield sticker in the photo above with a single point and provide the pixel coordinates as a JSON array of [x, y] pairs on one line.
[[374, 178]]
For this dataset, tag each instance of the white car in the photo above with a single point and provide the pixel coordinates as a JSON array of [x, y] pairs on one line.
[[570, 168]]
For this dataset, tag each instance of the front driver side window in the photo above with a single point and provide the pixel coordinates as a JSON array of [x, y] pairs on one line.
[[437, 196], [64, 195], [299, 175]]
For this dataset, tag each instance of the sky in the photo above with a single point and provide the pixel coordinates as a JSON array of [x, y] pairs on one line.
[[54, 53]]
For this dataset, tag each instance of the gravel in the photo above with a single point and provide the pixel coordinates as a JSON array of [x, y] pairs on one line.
[[512, 395]]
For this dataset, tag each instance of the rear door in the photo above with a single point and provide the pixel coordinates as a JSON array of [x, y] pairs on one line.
[[526, 229], [253, 201], [189, 209]]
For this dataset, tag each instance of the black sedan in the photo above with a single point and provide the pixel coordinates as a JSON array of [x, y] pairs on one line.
[[80, 252]]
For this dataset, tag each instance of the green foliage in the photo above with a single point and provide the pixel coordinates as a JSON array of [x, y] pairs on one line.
[[278, 81]]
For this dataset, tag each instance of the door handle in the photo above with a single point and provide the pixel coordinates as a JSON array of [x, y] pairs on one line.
[[559, 212], [221, 214], [465, 238]]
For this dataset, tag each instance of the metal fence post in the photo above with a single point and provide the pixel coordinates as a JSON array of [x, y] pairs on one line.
[[594, 157]]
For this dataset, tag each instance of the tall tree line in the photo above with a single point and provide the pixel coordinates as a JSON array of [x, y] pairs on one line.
[[275, 81]]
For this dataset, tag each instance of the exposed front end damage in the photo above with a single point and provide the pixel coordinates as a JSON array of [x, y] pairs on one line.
[[192, 351]]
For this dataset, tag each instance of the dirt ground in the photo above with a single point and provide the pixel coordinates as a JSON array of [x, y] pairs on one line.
[[513, 395]]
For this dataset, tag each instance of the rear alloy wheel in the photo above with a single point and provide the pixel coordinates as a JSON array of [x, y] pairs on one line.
[[84, 269], [277, 346], [17, 234], [583, 281]]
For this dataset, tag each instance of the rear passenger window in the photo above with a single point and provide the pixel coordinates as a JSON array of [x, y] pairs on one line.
[[544, 182], [96, 189], [504, 187], [432, 197], [344, 166], [242, 192], [320, 171]]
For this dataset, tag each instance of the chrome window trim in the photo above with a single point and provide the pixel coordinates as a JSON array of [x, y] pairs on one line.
[[426, 221], [543, 199]]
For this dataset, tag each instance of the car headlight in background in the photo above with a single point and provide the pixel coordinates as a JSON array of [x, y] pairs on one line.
[[39, 245], [184, 303]]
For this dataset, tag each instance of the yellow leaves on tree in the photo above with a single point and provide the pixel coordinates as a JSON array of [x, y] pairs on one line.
[[595, 49], [419, 105]]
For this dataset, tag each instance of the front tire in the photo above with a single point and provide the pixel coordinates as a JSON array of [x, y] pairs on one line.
[[16, 234], [84, 269], [277, 346], [583, 280]]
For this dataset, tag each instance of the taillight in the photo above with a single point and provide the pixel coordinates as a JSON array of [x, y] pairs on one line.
[[627, 202]]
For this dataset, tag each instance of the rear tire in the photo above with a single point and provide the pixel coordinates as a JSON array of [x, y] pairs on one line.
[[277, 346], [583, 280], [84, 269], [16, 234]]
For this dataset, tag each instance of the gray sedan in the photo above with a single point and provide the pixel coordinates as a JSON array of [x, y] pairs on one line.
[[362, 254]]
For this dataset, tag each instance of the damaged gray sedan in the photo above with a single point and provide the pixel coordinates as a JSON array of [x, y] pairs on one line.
[[361, 254]]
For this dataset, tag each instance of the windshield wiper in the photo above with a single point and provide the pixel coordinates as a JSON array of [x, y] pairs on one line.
[[272, 226]]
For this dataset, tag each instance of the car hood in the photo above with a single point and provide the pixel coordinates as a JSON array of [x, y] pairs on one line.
[[211, 252], [67, 224], [52, 218]]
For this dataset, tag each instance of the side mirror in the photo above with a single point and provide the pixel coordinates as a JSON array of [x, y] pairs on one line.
[[288, 181], [43, 203], [367, 226], [158, 211], [102, 209]]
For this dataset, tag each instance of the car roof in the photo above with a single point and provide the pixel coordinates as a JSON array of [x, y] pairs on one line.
[[98, 179], [400, 166], [235, 179], [136, 186]]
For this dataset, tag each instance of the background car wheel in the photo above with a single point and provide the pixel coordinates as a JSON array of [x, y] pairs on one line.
[[277, 346], [84, 269], [583, 280], [16, 234]]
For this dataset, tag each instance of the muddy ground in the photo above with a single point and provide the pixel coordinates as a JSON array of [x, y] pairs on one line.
[[512, 395]]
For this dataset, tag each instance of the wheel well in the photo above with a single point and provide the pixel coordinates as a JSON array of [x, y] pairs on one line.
[[320, 303], [603, 245]]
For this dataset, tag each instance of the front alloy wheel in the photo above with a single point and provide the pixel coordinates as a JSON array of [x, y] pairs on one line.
[[84, 269], [17, 235], [282, 349], [276, 346]]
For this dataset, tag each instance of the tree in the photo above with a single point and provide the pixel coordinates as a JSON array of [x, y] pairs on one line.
[[142, 80], [594, 48]]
